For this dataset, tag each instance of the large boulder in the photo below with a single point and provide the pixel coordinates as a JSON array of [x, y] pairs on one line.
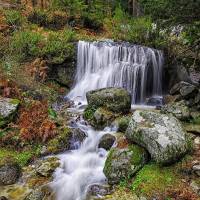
[[117, 100], [8, 108], [162, 135], [124, 163], [179, 109]]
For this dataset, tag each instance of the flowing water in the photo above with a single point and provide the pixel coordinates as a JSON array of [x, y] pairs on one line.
[[81, 168], [104, 64], [136, 68]]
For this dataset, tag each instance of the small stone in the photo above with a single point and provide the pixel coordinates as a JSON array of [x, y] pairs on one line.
[[196, 169], [3, 198], [99, 190], [197, 141], [195, 187], [107, 141]]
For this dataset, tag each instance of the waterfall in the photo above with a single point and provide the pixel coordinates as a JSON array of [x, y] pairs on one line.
[[136, 68]]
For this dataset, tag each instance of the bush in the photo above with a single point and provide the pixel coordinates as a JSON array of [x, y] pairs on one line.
[[57, 48], [13, 18], [27, 44]]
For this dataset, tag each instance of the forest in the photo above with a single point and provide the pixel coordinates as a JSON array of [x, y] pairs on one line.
[[99, 99]]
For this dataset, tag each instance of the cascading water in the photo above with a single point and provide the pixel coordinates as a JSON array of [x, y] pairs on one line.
[[103, 64], [136, 68]]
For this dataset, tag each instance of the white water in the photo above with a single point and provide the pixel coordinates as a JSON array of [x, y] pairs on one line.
[[136, 68], [104, 64], [81, 168]]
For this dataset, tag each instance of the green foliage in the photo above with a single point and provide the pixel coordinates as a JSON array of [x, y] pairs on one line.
[[52, 113], [57, 48], [153, 178], [123, 123], [89, 113], [27, 44], [22, 158], [13, 18]]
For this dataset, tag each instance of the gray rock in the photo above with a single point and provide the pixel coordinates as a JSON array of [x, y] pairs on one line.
[[186, 90], [107, 141], [8, 108], [47, 167], [124, 163], [114, 99], [99, 190], [37, 194], [162, 135], [102, 118], [9, 174], [195, 187], [179, 109], [196, 169]]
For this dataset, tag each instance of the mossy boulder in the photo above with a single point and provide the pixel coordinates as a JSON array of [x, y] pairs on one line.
[[122, 123], [8, 109], [117, 100], [162, 135], [67, 139], [123, 163]]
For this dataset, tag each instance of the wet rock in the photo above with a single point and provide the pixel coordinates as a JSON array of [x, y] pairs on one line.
[[77, 136], [114, 99], [155, 101], [162, 135], [179, 109], [102, 118], [9, 173], [67, 139], [8, 108], [123, 163], [196, 169], [99, 190], [47, 167], [107, 141]]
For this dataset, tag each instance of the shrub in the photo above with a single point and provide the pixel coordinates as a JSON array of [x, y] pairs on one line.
[[13, 18], [57, 48], [27, 44]]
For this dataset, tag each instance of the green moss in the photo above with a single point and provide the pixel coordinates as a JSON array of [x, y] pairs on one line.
[[15, 101], [89, 113], [152, 178], [123, 123], [139, 154], [60, 143], [22, 158]]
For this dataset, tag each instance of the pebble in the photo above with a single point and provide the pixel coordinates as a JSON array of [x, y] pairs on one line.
[[196, 169]]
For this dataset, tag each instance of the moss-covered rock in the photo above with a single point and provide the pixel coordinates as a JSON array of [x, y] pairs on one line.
[[8, 109], [117, 100], [65, 140], [123, 163], [179, 109], [162, 135], [123, 123]]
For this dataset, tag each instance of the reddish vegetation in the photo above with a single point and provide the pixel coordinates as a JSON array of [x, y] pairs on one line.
[[34, 123], [122, 143], [184, 192]]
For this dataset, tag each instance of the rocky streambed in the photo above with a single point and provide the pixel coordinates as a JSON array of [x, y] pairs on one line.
[[134, 154]]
